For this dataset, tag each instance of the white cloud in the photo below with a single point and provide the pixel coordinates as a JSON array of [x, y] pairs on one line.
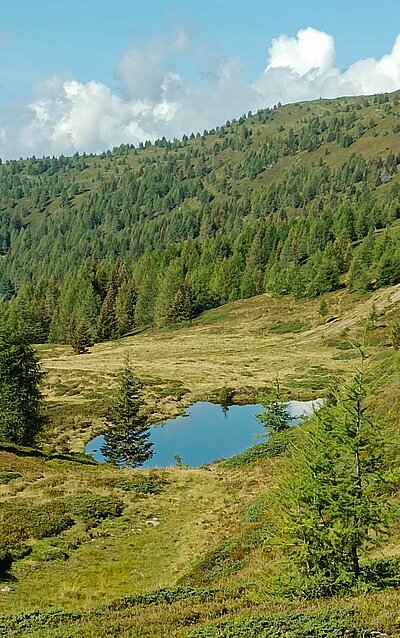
[[310, 50], [152, 100]]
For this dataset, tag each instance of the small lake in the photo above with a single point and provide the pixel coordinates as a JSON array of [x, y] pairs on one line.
[[206, 433]]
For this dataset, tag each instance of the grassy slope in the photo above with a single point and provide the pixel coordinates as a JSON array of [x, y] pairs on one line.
[[376, 141], [246, 344]]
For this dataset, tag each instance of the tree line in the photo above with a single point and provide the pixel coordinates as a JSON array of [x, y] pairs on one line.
[[94, 247]]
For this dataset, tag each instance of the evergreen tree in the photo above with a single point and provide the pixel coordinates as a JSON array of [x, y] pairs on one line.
[[21, 402], [372, 318], [126, 442], [323, 308], [78, 301], [108, 322], [275, 417], [80, 337], [171, 283], [147, 276], [125, 305], [182, 306], [332, 501]]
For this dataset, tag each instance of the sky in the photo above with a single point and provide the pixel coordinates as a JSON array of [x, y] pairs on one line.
[[87, 75]]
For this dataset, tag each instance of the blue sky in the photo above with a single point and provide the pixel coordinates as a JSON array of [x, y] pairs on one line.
[[88, 40]]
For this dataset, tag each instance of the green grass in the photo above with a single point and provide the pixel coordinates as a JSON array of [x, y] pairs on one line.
[[89, 560]]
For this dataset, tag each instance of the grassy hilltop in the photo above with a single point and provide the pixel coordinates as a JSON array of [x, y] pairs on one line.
[[300, 199]]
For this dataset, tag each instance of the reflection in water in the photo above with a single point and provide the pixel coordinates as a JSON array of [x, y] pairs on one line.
[[207, 432], [225, 410]]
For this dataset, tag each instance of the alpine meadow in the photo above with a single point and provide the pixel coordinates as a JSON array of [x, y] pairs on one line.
[[256, 263]]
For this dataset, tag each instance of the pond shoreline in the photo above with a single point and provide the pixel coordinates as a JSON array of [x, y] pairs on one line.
[[206, 432]]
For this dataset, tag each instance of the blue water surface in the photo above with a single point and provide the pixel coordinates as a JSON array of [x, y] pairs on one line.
[[206, 433]]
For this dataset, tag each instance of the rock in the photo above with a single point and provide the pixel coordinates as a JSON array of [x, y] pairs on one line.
[[6, 589]]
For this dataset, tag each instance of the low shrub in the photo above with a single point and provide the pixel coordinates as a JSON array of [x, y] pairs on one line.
[[332, 624], [276, 445], [254, 511], [224, 560], [8, 475], [143, 484], [381, 573], [92, 509], [46, 554], [163, 596], [19, 523], [33, 521], [285, 327]]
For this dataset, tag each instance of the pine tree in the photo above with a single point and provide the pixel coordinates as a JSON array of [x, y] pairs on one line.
[[182, 306], [126, 442], [332, 500], [108, 323], [372, 318], [323, 308], [171, 283], [275, 417], [125, 305], [21, 402], [80, 337], [78, 301]]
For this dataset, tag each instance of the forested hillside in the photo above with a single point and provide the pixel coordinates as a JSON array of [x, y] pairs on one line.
[[300, 200]]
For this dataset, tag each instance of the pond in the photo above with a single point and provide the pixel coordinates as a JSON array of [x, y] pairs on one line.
[[207, 432]]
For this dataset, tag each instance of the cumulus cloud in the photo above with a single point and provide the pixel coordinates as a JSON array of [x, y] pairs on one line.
[[153, 100], [309, 50]]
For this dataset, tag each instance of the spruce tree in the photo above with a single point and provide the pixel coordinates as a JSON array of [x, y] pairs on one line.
[[126, 442], [323, 308], [80, 337], [21, 402], [125, 305], [182, 306], [108, 322]]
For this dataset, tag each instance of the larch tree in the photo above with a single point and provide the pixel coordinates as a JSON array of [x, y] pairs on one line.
[[332, 500]]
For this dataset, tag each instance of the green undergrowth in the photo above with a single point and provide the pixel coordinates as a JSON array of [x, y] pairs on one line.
[[6, 476], [22, 523], [180, 616], [143, 484], [276, 445], [285, 327], [332, 624]]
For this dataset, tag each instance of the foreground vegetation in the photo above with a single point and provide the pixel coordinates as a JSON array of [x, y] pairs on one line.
[[238, 349], [181, 552], [290, 219]]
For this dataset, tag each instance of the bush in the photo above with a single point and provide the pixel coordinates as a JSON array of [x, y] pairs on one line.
[[165, 596], [224, 560], [143, 484], [93, 509], [276, 445], [254, 511], [381, 573], [8, 475], [333, 624], [46, 554], [35, 521]]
